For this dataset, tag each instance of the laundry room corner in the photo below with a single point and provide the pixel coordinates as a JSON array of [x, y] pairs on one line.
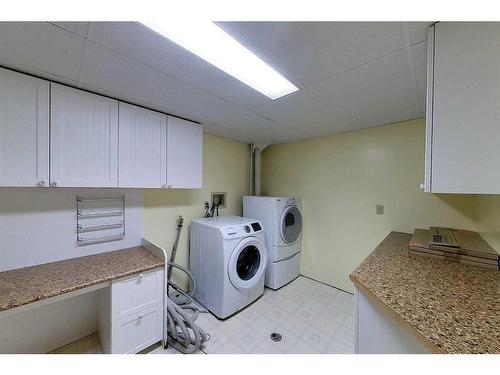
[[225, 169], [341, 179]]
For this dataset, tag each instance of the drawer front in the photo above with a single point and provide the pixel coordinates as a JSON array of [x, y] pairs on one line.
[[138, 331], [135, 293]]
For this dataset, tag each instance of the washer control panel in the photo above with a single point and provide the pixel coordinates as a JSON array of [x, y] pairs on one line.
[[237, 231]]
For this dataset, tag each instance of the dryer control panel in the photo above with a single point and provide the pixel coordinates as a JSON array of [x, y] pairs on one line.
[[237, 231]]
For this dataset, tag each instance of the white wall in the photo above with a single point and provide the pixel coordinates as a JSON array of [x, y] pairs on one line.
[[38, 225]]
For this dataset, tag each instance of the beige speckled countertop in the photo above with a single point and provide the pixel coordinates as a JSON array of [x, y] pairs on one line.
[[30, 284], [449, 307]]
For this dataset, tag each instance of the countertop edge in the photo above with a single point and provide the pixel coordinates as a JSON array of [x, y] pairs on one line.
[[70, 289], [400, 321]]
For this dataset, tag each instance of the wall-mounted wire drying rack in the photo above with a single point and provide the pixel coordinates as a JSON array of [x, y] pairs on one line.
[[99, 219]]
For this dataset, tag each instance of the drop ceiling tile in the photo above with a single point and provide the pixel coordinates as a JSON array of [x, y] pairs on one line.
[[252, 128], [377, 93], [313, 51], [132, 40], [116, 75], [247, 117], [78, 28], [41, 47], [419, 53], [303, 109], [418, 31], [188, 101], [241, 133]]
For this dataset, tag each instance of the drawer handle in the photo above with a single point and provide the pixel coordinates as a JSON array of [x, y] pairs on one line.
[[140, 276], [140, 316]]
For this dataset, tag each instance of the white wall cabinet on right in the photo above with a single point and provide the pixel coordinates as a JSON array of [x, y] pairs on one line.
[[463, 111], [184, 154]]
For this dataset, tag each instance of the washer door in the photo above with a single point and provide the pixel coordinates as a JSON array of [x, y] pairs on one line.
[[247, 263], [291, 224]]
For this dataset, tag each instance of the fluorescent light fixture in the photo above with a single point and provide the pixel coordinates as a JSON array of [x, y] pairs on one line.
[[211, 43]]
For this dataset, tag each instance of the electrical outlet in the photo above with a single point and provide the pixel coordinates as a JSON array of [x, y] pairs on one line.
[[379, 209], [219, 199]]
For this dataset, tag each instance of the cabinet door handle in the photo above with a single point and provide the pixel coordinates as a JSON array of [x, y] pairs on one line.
[[422, 187], [54, 184], [140, 316], [164, 186], [41, 183], [140, 276]]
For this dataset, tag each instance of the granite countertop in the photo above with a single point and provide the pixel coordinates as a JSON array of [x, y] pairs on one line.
[[450, 307], [30, 284]]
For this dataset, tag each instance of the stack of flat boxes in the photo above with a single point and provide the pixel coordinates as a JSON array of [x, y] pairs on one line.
[[471, 249]]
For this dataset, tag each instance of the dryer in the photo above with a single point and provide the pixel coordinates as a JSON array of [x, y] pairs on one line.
[[228, 258], [281, 218]]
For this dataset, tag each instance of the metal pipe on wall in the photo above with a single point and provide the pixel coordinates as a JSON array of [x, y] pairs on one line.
[[251, 172], [257, 169]]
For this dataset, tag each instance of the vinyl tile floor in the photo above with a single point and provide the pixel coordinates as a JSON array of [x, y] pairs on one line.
[[310, 317], [307, 316]]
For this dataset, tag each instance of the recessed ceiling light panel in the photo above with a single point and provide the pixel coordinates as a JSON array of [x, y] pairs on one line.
[[211, 43]]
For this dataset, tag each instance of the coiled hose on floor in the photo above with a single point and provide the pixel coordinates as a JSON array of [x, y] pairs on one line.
[[182, 333]]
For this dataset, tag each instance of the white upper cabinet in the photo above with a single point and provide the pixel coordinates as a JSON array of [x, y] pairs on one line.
[[24, 130], [84, 139], [58, 136], [184, 154], [463, 111], [142, 147]]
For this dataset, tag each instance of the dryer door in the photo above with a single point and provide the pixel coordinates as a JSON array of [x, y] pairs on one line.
[[291, 224], [247, 263]]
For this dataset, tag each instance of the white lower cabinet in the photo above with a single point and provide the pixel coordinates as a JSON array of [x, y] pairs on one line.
[[137, 331], [131, 313], [135, 293], [378, 332]]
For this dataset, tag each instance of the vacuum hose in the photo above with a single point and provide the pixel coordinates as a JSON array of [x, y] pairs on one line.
[[182, 333]]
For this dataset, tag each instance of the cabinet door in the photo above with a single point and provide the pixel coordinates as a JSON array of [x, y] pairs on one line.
[[138, 331], [135, 293], [142, 147], [24, 130], [466, 115], [84, 139], [184, 154]]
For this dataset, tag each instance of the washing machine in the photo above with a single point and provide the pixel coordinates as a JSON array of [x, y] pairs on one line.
[[281, 218], [228, 258]]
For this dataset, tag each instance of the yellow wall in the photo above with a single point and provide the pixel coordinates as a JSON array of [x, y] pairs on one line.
[[225, 168], [342, 177], [489, 219]]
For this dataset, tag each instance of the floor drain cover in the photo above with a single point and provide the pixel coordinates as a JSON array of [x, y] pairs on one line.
[[276, 337]]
